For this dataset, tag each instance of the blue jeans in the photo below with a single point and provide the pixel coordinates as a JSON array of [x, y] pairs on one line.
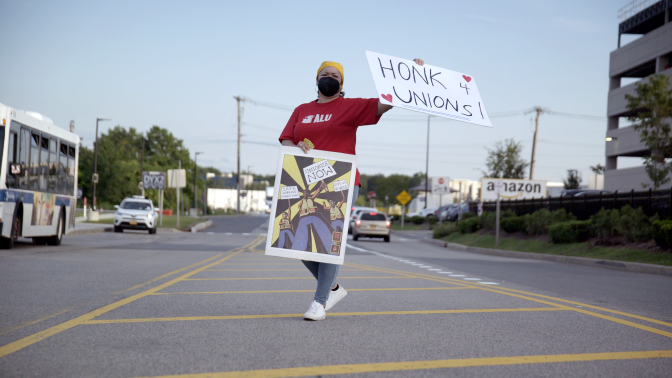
[[324, 273]]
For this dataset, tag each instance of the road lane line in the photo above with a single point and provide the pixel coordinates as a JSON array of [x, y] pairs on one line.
[[274, 316], [488, 283], [457, 275], [34, 338], [501, 291], [472, 279], [309, 291], [326, 370], [280, 270], [281, 278]]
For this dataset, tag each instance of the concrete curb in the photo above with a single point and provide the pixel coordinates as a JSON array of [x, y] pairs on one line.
[[201, 226], [76, 232], [609, 264]]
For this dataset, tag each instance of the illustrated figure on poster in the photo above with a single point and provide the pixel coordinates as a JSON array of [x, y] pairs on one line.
[[308, 217], [335, 213], [330, 123], [286, 232]]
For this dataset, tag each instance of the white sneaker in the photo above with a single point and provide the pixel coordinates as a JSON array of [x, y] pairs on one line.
[[315, 312], [335, 296]]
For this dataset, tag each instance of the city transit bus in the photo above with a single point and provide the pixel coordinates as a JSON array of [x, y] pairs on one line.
[[38, 178]]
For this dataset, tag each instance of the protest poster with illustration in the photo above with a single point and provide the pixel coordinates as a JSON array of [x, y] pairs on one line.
[[311, 205], [427, 89]]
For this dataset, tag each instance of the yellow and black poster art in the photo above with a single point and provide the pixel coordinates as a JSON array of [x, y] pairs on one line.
[[311, 203]]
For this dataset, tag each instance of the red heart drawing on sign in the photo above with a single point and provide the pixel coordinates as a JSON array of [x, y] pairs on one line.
[[467, 78], [387, 97]]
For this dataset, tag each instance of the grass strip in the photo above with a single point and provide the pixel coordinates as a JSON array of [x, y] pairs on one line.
[[574, 249], [168, 222]]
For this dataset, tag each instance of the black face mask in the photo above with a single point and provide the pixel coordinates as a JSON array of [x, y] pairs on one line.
[[328, 86]]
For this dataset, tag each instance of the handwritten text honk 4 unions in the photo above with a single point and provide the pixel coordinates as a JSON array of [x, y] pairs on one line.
[[403, 72]]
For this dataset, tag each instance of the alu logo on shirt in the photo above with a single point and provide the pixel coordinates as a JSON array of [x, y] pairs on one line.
[[318, 118]]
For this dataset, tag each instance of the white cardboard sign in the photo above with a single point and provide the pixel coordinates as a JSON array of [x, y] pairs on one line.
[[427, 89]]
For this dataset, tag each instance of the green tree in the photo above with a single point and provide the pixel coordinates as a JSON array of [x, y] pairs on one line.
[[119, 160], [652, 105], [504, 161], [573, 180], [597, 169]]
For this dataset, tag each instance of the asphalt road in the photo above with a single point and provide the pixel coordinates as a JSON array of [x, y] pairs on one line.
[[211, 304]]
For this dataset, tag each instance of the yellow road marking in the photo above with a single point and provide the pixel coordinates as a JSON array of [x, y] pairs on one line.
[[274, 316], [32, 339], [430, 364], [265, 263], [605, 317], [25, 324], [307, 291], [273, 270], [280, 278]]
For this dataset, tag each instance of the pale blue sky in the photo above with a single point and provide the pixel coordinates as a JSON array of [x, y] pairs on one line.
[[178, 64]]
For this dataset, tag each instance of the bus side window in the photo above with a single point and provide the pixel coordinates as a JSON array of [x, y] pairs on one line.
[[44, 163], [71, 171], [53, 164], [24, 158], [34, 161], [11, 159], [63, 169]]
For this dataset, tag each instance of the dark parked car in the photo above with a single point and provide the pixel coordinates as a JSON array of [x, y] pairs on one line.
[[453, 212]]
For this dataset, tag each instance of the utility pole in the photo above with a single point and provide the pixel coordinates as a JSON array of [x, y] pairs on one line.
[[427, 167], [238, 100], [95, 163], [195, 174], [142, 165], [534, 144]]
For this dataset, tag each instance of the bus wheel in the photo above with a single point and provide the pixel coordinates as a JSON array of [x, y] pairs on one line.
[[56, 239], [8, 243]]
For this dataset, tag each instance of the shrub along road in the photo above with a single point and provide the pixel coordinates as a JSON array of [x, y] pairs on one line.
[[132, 304]]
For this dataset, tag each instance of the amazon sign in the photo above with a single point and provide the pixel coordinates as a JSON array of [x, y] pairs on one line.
[[511, 189]]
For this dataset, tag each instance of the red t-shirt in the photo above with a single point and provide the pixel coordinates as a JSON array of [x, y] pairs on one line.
[[332, 126]]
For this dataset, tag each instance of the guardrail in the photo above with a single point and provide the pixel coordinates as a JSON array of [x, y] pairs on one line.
[[633, 8]]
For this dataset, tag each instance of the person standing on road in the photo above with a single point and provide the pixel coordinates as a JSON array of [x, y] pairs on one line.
[[330, 123]]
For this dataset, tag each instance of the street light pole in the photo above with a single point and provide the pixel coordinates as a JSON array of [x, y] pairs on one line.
[[95, 161], [195, 174]]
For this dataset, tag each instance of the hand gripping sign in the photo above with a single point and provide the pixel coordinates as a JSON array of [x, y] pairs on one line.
[[311, 205], [427, 89]]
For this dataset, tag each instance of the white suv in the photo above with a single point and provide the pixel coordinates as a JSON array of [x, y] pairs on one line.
[[135, 214]]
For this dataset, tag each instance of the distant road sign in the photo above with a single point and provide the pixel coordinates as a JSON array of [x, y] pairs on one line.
[[499, 187], [154, 180], [440, 185], [404, 197], [177, 178], [80, 193]]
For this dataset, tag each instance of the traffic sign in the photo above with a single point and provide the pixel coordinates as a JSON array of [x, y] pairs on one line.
[[404, 197], [440, 185], [499, 187], [154, 180], [371, 195]]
